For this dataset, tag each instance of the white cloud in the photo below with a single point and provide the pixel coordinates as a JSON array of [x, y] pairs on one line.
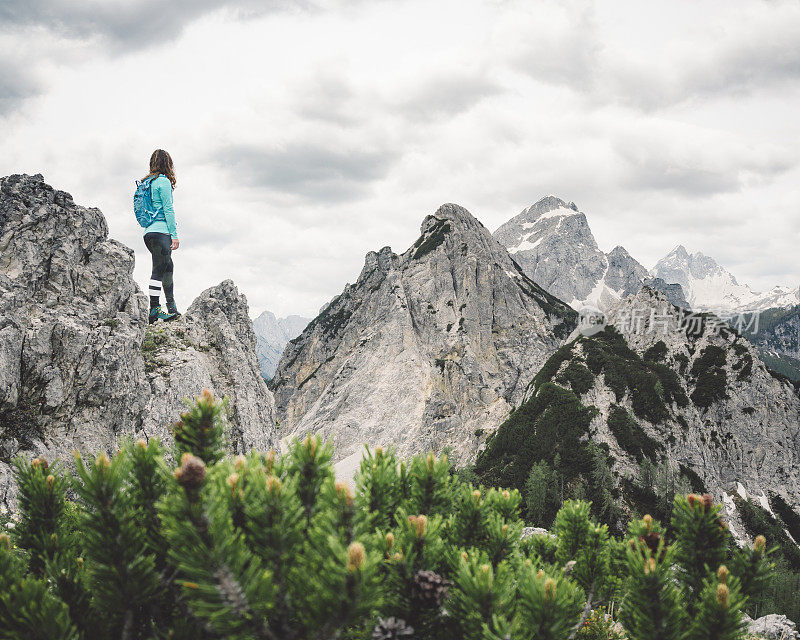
[[305, 138]]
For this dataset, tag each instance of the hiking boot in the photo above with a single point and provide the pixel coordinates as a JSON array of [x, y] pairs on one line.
[[158, 313], [172, 309]]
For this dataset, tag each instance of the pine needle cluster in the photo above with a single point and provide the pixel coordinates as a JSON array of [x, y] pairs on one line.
[[189, 542]]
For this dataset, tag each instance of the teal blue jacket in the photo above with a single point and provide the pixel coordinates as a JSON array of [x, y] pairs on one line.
[[161, 193]]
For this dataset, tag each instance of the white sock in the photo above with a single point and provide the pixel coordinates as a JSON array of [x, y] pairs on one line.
[[155, 291]]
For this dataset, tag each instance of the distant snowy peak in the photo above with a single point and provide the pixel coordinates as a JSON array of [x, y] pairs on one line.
[[552, 242], [708, 286], [272, 336]]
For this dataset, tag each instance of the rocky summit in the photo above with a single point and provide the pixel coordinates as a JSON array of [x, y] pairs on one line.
[[79, 366], [428, 349], [552, 242]]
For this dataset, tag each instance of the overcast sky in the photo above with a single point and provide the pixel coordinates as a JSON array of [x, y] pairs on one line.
[[307, 133]]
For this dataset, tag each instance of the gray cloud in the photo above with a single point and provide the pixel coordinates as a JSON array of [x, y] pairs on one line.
[[447, 95], [671, 161], [15, 86], [309, 171], [739, 59], [740, 53], [129, 25], [330, 98], [334, 134]]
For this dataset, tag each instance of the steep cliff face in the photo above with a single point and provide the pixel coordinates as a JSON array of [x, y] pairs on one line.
[[425, 350], [685, 391], [76, 368], [211, 347], [743, 422]]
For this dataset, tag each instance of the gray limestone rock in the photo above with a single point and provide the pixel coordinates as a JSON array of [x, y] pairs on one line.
[[739, 430], [552, 242], [426, 350], [74, 371], [772, 627]]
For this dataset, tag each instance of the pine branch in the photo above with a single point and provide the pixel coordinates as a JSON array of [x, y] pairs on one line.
[[586, 610]]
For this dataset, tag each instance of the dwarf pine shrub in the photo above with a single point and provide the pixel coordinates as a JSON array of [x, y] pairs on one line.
[[273, 547]]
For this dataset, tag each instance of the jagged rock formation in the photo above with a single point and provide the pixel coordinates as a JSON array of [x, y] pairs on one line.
[[427, 349], [685, 389], [272, 336], [211, 347], [74, 372], [672, 292], [710, 287], [553, 244]]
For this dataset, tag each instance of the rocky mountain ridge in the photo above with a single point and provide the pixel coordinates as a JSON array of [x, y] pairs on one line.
[[710, 287], [426, 350], [686, 391], [552, 242], [79, 366]]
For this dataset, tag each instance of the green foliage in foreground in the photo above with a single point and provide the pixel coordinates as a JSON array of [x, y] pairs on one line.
[[266, 546]]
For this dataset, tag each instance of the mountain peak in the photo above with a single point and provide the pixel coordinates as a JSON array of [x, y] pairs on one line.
[[419, 353], [619, 251], [546, 205], [453, 213], [710, 287], [553, 244]]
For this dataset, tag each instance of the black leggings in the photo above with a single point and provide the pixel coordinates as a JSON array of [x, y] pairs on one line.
[[160, 247]]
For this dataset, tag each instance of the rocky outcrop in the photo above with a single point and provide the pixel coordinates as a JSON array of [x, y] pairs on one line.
[[672, 292], [428, 349], [681, 389], [552, 242], [211, 347], [740, 424], [78, 367], [772, 627], [272, 336]]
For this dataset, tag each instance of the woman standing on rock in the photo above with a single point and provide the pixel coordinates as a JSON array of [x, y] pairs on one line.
[[161, 235]]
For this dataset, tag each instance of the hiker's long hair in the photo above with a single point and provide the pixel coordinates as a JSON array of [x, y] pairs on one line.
[[161, 162]]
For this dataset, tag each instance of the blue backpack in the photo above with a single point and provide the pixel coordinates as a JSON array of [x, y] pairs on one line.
[[143, 207]]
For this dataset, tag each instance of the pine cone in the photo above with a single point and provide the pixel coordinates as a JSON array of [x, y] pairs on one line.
[[392, 628], [429, 588]]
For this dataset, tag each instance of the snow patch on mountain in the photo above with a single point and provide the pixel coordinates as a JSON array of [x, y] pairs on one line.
[[552, 243]]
